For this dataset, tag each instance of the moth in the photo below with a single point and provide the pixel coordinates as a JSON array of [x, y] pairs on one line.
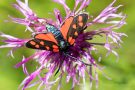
[[58, 40]]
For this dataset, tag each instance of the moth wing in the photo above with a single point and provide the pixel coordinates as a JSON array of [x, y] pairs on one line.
[[65, 27], [43, 41], [73, 26]]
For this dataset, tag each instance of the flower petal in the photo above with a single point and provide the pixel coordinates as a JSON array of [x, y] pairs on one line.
[[62, 2]]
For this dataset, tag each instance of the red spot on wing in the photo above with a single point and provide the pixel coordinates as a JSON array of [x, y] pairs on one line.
[[74, 26], [76, 33], [32, 43], [65, 27], [42, 43], [37, 46], [47, 47], [80, 18], [71, 40], [47, 37], [55, 50], [55, 46]]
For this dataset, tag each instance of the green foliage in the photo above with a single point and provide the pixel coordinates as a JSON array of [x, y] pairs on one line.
[[122, 73]]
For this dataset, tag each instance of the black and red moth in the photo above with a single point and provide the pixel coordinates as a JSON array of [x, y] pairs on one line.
[[57, 40]]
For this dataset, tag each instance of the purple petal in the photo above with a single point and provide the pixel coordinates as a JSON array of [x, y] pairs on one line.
[[32, 76], [58, 16], [26, 60], [12, 41], [20, 21], [84, 4], [62, 2], [23, 7], [109, 13], [24, 67]]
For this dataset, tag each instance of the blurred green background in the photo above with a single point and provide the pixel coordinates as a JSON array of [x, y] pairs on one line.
[[122, 72]]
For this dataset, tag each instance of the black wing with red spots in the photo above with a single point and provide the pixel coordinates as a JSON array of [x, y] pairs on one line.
[[43, 41], [73, 26], [78, 25]]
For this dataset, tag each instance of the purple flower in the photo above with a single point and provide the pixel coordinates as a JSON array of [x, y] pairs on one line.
[[79, 60]]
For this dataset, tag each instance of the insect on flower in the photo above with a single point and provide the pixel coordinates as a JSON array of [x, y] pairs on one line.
[[59, 40], [64, 46]]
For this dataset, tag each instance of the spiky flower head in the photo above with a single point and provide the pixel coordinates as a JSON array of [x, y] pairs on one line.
[[79, 60]]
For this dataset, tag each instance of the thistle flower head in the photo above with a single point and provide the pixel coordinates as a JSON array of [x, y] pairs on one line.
[[76, 60]]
